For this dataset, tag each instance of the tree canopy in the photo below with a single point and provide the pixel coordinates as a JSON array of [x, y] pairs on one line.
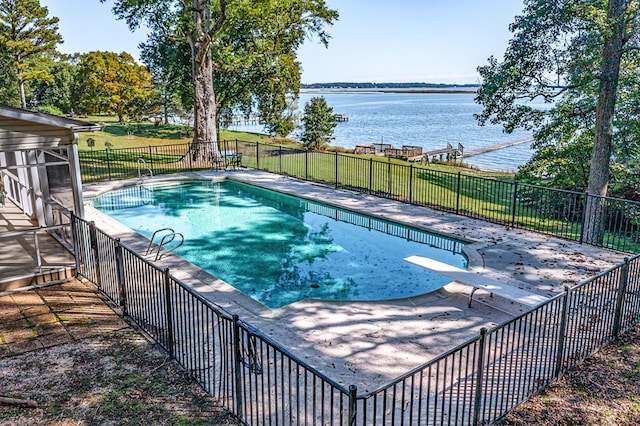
[[30, 37], [112, 82], [9, 83], [243, 54], [581, 58], [56, 95], [169, 62], [318, 123]]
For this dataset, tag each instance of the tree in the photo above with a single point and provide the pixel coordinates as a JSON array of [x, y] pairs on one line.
[[170, 65], [571, 53], [225, 37], [318, 123], [9, 82], [55, 94], [266, 61], [31, 37], [112, 82]]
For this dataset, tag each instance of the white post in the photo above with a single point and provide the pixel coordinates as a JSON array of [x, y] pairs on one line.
[[35, 184], [25, 197], [76, 178]]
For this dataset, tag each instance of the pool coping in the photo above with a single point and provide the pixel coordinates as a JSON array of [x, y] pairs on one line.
[[342, 338], [470, 248]]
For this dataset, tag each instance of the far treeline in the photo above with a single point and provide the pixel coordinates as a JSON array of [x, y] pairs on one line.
[[213, 59], [344, 85]]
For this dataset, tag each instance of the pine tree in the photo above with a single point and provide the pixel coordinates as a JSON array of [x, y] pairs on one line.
[[31, 37]]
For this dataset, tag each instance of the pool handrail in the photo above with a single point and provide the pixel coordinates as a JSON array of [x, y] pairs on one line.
[[166, 239]]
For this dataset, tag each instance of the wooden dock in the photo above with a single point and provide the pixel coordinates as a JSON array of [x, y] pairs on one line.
[[495, 147], [450, 152]]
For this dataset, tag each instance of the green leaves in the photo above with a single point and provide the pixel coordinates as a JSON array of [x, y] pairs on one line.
[[559, 54], [318, 123], [112, 82], [250, 46], [30, 37]]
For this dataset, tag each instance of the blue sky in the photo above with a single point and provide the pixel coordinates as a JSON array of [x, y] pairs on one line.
[[436, 41]]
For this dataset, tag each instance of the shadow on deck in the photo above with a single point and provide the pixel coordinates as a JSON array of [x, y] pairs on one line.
[[29, 256]]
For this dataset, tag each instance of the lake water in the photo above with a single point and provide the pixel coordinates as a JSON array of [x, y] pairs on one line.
[[430, 120]]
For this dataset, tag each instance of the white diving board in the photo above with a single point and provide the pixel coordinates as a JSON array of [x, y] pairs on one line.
[[478, 281]]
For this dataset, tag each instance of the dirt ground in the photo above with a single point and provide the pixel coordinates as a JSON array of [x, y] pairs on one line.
[[603, 390], [63, 348]]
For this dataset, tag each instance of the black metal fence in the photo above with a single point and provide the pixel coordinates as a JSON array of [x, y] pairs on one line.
[[261, 382], [551, 211]]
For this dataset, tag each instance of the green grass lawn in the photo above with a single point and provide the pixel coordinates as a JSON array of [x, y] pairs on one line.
[[470, 192], [116, 135]]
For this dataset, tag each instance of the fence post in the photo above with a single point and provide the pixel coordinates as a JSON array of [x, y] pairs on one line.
[[458, 189], [93, 239], [563, 332], [515, 201], [106, 151], [306, 164], [169, 313], [189, 157], [622, 292], [584, 216], [237, 365], [280, 157], [257, 155], [479, 376], [370, 175], [120, 276], [410, 183], [76, 244], [336, 169], [353, 406], [389, 181]]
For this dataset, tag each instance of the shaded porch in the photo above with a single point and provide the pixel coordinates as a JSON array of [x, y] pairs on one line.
[[39, 188]]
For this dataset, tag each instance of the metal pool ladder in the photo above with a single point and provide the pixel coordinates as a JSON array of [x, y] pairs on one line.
[[169, 236], [143, 163]]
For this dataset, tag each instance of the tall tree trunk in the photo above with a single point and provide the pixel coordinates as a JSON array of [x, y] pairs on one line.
[[23, 98], [165, 105], [205, 140], [601, 155]]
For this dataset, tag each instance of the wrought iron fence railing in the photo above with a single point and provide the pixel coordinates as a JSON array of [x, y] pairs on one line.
[[261, 382], [599, 221]]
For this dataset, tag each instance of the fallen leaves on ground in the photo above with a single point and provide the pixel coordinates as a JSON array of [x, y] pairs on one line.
[[603, 390], [116, 379]]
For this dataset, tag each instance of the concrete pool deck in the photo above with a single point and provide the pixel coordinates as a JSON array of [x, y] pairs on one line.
[[371, 343]]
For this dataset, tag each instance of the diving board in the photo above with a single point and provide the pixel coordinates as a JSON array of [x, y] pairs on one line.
[[478, 281]]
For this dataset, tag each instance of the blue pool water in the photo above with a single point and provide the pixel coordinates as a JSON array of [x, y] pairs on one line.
[[280, 249]]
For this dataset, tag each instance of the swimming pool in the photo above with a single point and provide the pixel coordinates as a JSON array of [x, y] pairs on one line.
[[280, 249]]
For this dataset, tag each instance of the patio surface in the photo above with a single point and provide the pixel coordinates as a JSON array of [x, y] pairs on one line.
[[54, 315], [370, 343], [18, 253]]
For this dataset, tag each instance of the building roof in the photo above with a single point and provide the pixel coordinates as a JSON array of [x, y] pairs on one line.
[[22, 129]]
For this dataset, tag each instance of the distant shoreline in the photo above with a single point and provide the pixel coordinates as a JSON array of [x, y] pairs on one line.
[[388, 85], [388, 90], [429, 91]]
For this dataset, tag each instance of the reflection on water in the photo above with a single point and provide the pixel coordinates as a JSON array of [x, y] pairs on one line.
[[280, 249]]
